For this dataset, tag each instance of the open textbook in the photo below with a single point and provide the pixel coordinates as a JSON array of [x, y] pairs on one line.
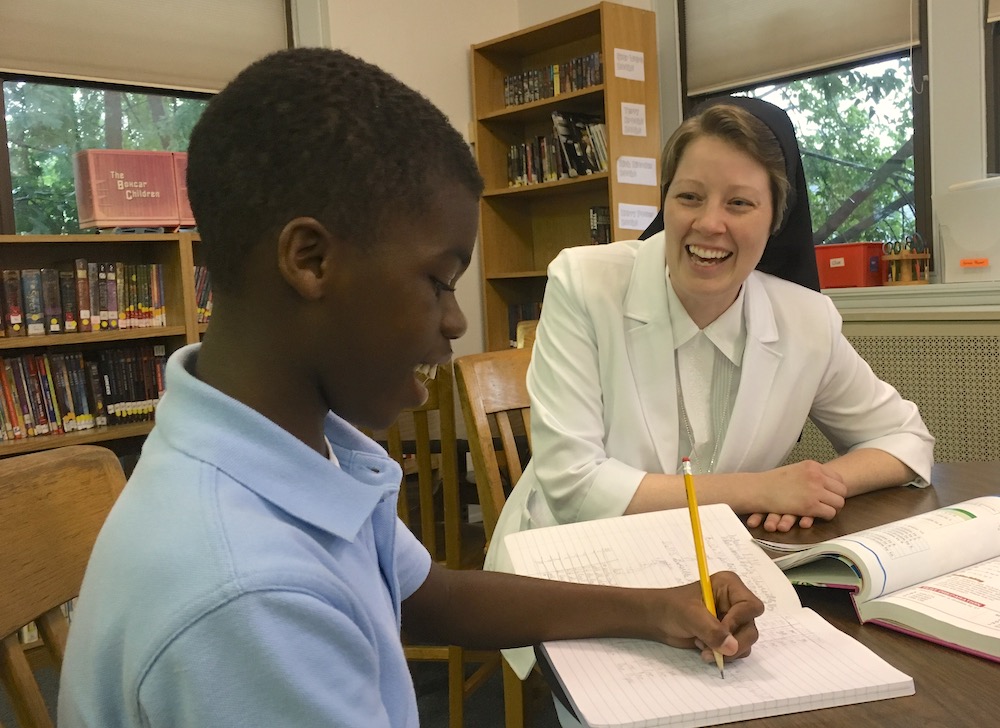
[[935, 575], [801, 662]]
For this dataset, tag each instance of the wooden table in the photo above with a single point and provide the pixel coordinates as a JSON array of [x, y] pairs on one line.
[[953, 689]]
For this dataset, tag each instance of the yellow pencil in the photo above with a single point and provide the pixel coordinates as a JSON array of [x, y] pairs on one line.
[[699, 550]]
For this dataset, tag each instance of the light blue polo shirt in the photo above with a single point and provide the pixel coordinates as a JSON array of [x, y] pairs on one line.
[[242, 579]]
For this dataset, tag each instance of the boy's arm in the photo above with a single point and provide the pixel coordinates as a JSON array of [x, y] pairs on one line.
[[492, 610]]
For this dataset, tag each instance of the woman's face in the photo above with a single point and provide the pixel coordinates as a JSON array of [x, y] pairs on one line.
[[717, 220]]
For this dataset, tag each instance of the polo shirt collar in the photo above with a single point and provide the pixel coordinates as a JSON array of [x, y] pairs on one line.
[[207, 425]]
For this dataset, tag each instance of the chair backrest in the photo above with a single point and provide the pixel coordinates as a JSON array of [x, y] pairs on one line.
[[492, 388], [52, 506], [410, 441]]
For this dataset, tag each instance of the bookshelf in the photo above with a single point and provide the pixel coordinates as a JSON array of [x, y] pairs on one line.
[[175, 252], [522, 228]]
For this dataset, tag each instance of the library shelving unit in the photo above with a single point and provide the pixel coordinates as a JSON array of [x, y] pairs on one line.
[[174, 251], [522, 228]]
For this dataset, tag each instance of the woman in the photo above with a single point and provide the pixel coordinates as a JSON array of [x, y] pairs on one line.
[[679, 345]]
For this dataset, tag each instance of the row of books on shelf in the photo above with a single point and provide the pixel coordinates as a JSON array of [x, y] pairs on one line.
[[534, 84], [82, 296], [55, 393], [578, 145], [518, 312]]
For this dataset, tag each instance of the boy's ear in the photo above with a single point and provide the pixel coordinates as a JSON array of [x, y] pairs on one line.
[[305, 247]]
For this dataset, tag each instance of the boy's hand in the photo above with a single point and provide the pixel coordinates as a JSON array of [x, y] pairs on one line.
[[686, 622], [800, 492]]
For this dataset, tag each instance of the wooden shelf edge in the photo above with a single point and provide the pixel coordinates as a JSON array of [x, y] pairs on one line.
[[561, 186], [93, 337], [86, 437], [548, 104]]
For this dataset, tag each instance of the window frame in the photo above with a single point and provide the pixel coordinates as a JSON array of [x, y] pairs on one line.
[[7, 222], [923, 211]]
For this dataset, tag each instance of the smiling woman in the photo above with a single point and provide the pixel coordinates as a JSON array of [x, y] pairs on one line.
[[684, 345]]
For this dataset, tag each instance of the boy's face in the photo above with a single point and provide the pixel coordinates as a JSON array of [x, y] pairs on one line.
[[396, 310]]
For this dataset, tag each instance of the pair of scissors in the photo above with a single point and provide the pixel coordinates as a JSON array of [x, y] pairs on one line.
[[894, 248], [914, 243]]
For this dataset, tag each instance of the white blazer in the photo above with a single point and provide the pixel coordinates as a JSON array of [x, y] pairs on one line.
[[603, 395]]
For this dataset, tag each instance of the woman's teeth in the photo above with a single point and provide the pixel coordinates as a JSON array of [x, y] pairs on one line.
[[707, 256]]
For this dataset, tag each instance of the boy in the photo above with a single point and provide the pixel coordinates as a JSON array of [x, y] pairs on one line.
[[253, 572]]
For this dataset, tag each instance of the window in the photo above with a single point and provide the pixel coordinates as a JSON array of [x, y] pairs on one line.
[[855, 130], [48, 122]]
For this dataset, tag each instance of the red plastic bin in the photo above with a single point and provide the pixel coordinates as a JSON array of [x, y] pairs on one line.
[[850, 265]]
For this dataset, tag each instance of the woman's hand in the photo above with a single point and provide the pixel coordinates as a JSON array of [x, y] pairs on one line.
[[798, 493]]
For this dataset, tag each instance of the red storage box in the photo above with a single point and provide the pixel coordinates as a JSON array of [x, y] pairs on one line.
[[125, 188], [850, 265]]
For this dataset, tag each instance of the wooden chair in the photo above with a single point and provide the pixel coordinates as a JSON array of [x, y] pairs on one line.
[[409, 442], [493, 391], [52, 505]]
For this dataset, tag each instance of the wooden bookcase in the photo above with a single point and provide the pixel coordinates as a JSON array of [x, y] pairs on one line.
[[177, 253], [523, 228]]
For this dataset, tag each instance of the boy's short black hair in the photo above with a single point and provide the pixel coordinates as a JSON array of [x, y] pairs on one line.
[[313, 132]]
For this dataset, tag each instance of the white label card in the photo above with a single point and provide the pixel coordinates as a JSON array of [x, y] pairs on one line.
[[637, 171], [633, 119], [630, 64], [635, 217]]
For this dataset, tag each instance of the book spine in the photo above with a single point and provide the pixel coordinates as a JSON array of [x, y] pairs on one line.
[[111, 398], [112, 283], [160, 299], [67, 295], [82, 295], [34, 310], [102, 295], [122, 288], [29, 371], [21, 396], [96, 389], [15, 423], [64, 394], [6, 430], [130, 273], [51, 302], [160, 363], [14, 323], [41, 374], [45, 371], [94, 283], [78, 391]]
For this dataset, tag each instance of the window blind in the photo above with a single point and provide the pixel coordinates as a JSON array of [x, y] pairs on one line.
[[993, 11], [195, 45], [735, 43]]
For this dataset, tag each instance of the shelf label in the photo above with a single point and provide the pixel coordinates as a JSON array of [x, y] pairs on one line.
[[630, 64], [637, 171], [635, 217], [974, 263], [633, 119]]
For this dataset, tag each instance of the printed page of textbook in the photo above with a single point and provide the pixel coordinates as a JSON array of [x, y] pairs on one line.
[[960, 609], [914, 549]]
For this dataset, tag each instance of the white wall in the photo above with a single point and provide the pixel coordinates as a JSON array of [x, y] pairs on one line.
[[532, 12], [426, 45]]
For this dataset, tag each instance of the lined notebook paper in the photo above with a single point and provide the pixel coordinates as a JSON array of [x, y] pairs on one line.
[[801, 662]]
